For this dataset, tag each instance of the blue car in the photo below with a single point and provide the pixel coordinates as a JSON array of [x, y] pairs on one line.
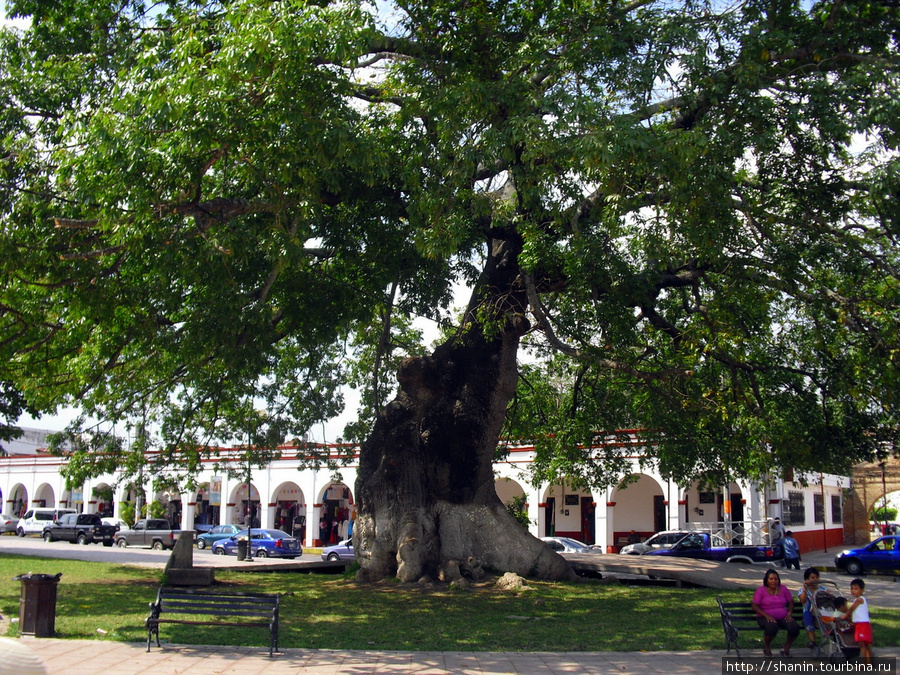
[[217, 533], [341, 551], [263, 544], [882, 555]]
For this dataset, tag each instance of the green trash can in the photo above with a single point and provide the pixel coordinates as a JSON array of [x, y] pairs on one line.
[[37, 604]]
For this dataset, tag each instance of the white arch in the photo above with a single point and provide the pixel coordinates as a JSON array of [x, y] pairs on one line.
[[568, 511], [335, 506], [639, 505], [508, 489], [237, 504], [17, 502], [45, 495], [170, 497], [100, 503], [287, 509]]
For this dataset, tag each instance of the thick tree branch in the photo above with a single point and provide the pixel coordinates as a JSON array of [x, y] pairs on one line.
[[88, 255], [543, 324], [74, 224], [376, 95]]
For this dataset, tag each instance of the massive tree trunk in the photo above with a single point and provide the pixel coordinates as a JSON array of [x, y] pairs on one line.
[[427, 502]]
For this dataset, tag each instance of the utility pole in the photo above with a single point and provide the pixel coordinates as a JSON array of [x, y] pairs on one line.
[[249, 554]]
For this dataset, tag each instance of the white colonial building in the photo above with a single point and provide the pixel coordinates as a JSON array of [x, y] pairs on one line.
[[301, 500]]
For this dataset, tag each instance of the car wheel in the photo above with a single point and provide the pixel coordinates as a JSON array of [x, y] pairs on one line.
[[262, 553], [219, 551], [121, 543], [157, 546], [201, 544], [48, 537], [20, 532], [82, 540], [854, 567], [333, 557]]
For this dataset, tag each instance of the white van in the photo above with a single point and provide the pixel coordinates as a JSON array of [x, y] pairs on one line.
[[36, 519]]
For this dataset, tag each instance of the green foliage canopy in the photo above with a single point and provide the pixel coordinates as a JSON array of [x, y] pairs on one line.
[[203, 202]]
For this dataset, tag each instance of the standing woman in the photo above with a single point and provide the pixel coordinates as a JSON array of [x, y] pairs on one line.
[[774, 607]]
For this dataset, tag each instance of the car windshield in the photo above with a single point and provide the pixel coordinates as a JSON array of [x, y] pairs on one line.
[[277, 534], [263, 534], [572, 543], [882, 545], [669, 539]]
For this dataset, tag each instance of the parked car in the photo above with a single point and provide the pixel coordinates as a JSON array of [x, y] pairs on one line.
[[700, 546], [217, 533], [340, 551], [567, 545], [80, 528], [8, 523], [117, 523], [36, 519], [665, 539], [153, 532], [263, 544], [882, 555]]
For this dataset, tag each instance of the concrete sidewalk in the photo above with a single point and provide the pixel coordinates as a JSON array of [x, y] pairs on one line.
[[87, 657]]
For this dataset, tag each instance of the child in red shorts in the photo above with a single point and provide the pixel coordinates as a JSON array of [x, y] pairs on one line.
[[858, 613]]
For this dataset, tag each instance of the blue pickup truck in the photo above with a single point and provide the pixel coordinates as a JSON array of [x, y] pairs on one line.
[[699, 545]]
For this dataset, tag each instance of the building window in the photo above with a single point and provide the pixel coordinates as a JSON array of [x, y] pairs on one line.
[[836, 516], [794, 509], [707, 497], [818, 508]]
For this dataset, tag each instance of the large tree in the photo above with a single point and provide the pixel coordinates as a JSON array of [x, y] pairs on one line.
[[686, 210]]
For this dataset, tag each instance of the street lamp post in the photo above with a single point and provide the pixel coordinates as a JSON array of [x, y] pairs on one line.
[[249, 554]]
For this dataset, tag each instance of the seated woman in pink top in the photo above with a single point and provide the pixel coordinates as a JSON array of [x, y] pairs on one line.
[[774, 607]]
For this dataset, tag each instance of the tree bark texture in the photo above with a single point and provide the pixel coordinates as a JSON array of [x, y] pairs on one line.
[[427, 501]]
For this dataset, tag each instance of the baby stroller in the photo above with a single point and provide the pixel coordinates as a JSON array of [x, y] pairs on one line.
[[837, 640]]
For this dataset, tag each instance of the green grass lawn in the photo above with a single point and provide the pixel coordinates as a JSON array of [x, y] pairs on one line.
[[106, 601]]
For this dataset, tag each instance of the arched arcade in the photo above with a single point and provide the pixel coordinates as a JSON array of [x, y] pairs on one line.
[[568, 511], [287, 510], [337, 513]]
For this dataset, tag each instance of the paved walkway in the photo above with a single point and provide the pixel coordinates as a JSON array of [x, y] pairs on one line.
[[86, 657]]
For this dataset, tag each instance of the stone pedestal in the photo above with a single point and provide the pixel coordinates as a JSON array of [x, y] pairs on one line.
[[180, 570]]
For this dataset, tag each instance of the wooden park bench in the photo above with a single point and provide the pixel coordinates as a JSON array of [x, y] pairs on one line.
[[738, 616], [217, 609]]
